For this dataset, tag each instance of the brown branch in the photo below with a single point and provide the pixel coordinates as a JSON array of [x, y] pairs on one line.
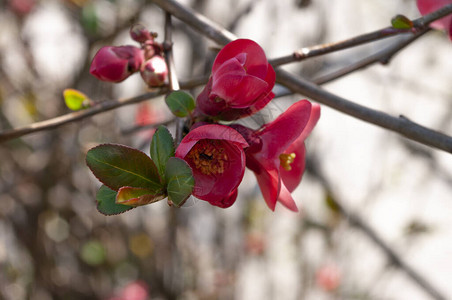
[[172, 77], [406, 128], [402, 126], [98, 108], [419, 24], [75, 116], [383, 57]]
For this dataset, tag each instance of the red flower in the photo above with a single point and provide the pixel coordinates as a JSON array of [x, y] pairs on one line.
[[241, 82], [428, 6], [277, 153], [215, 154], [115, 64]]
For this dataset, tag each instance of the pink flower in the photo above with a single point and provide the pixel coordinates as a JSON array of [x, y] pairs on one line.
[[328, 277], [154, 71], [277, 153], [241, 82], [115, 64], [136, 290], [428, 6], [215, 154]]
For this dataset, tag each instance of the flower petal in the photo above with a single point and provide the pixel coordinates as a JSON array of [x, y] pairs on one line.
[[279, 134], [286, 199], [428, 6], [268, 180], [293, 177], [238, 91], [212, 132], [226, 201], [256, 61]]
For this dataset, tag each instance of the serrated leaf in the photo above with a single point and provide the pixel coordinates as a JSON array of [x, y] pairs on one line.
[[180, 180], [162, 148], [118, 165], [401, 22], [180, 103], [138, 196], [75, 100], [106, 202]]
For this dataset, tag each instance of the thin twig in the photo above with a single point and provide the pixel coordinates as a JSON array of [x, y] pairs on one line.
[[408, 129], [383, 57], [306, 52], [76, 116], [98, 108], [173, 81], [356, 221]]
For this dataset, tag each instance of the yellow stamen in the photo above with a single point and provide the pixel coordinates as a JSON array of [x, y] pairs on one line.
[[286, 159]]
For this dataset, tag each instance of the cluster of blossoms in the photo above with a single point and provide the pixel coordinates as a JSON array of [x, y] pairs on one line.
[[114, 64], [240, 85]]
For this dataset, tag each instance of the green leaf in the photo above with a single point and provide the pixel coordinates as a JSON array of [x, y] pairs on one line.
[[180, 103], [138, 196], [180, 180], [106, 202], [401, 22], [162, 148], [117, 166], [75, 100]]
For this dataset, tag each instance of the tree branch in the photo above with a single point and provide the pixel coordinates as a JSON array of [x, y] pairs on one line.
[[383, 57], [76, 116], [173, 81], [402, 126], [419, 24], [98, 108]]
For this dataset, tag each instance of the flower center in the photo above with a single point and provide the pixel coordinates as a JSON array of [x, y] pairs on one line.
[[208, 156], [286, 159]]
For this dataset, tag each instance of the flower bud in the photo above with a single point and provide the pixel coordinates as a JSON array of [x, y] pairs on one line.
[[154, 71], [140, 34], [115, 64]]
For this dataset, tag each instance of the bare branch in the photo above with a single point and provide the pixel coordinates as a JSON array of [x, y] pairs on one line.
[[307, 52], [75, 116], [383, 57], [100, 107], [173, 81], [408, 129]]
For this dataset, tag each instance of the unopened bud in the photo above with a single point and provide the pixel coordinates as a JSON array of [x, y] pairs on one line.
[[115, 64], [140, 34], [154, 71]]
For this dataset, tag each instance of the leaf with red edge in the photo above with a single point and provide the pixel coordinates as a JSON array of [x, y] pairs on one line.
[[401, 22], [106, 202], [118, 165], [138, 196]]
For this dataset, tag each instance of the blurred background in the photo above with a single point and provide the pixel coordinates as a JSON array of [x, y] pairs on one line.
[[375, 220]]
